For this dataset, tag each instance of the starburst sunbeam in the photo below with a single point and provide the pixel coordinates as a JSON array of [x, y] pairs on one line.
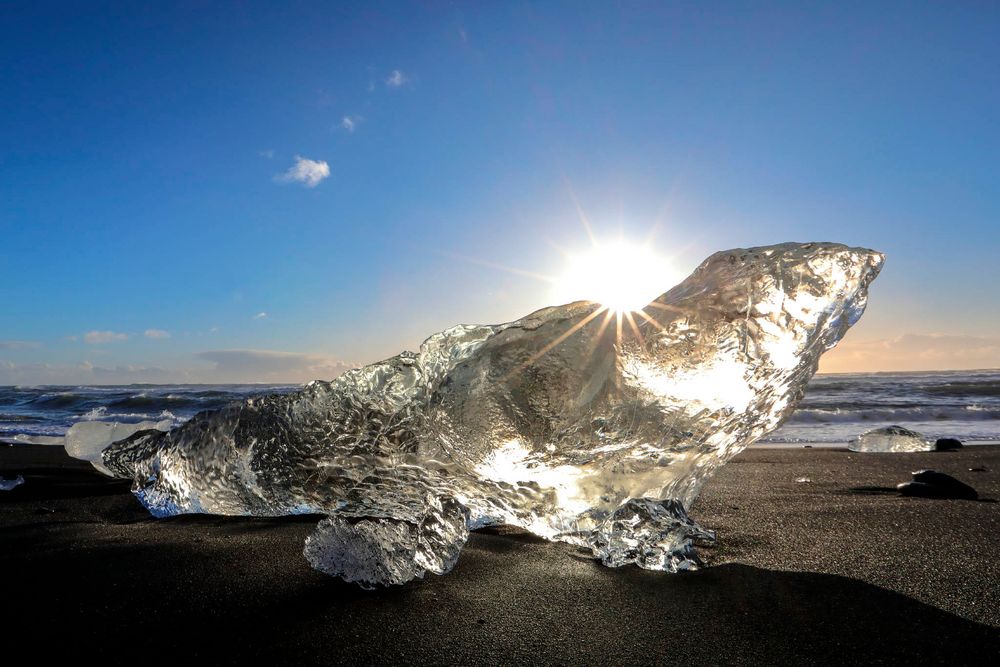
[[566, 334]]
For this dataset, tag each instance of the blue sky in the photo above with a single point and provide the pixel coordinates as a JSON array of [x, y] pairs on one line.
[[153, 226]]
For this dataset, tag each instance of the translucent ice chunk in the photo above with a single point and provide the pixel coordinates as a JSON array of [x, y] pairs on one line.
[[87, 439], [11, 484], [890, 439], [576, 423]]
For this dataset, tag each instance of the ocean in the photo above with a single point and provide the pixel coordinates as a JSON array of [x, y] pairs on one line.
[[835, 409], [945, 404]]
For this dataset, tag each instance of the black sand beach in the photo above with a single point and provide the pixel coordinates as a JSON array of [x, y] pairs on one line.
[[838, 570]]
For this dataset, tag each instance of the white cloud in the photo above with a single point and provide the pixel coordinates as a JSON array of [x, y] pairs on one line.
[[396, 79], [267, 154], [19, 344], [350, 123], [260, 316], [271, 366], [98, 337], [907, 352], [157, 333], [305, 171]]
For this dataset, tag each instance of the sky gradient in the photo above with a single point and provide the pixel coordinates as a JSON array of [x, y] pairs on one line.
[[277, 191]]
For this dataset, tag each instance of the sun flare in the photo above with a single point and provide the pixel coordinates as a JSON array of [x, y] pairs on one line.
[[622, 276]]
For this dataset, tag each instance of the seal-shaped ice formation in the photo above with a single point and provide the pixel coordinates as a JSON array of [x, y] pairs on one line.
[[568, 423]]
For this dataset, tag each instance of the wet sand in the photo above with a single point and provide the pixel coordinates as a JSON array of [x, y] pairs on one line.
[[838, 570]]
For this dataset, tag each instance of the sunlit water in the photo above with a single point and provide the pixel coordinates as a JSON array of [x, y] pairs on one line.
[[836, 408], [952, 404]]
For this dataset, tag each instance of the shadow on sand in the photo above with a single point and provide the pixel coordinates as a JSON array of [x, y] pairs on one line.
[[892, 491], [88, 573], [195, 589]]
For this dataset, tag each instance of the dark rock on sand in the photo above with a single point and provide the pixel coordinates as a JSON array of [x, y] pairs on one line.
[[934, 484], [947, 444]]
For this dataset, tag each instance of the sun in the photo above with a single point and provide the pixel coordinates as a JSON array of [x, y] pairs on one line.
[[621, 276]]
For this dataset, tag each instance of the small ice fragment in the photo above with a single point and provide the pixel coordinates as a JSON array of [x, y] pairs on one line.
[[11, 484], [803, 480], [87, 439], [890, 439]]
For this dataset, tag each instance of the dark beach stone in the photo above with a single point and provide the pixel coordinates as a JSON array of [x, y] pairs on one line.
[[947, 444], [919, 489], [934, 484]]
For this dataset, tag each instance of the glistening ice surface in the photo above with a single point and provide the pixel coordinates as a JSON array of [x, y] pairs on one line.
[[890, 439], [574, 423], [10, 484]]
